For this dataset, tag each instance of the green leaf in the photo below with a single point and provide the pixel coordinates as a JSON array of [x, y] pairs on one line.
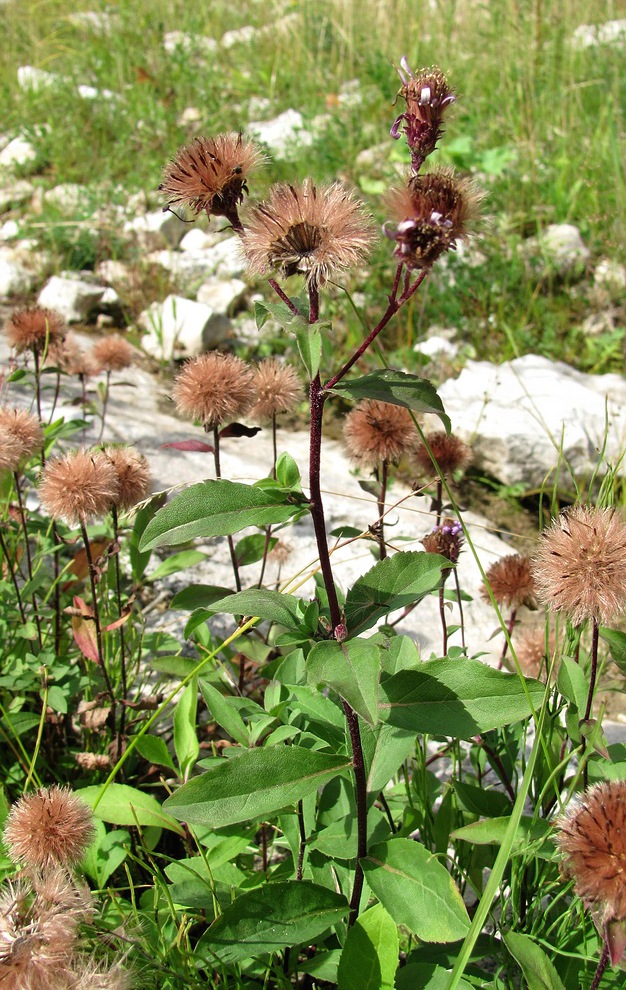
[[251, 548], [283, 609], [276, 915], [572, 683], [214, 508], [385, 748], [288, 473], [616, 641], [253, 785], [370, 955], [401, 580], [198, 596], [120, 804], [106, 853], [539, 972], [398, 388], [185, 736], [139, 560], [339, 839], [175, 666], [457, 698], [416, 890], [491, 832], [153, 749], [308, 336], [176, 562], [223, 712], [352, 669]]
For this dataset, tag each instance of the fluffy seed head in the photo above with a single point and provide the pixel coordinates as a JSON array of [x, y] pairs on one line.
[[113, 354], [93, 761], [427, 96], [450, 452], [532, 655], [25, 428], [431, 213], [277, 388], [133, 476], [315, 232], [50, 828], [67, 354], [213, 388], [580, 566], [36, 942], [79, 487], [210, 174], [446, 539], [11, 450], [377, 431], [511, 582], [28, 329]]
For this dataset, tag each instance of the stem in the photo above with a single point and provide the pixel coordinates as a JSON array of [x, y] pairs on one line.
[[274, 446], [381, 509], [360, 780], [497, 763], [592, 684], [284, 297], [57, 591], [118, 595], [302, 841], [96, 618], [387, 810], [57, 389], [218, 474], [442, 614], [438, 502], [268, 536], [460, 604], [316, 507], [11, 571], [604, 959], [510, 626], [37, 382], [29, 562], [104, 406]]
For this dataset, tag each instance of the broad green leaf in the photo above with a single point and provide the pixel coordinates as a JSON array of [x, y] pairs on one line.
[[251, 548], [322, 966], [225, 714], [417, 890], [401, 580], [177, 562], [288, 472], [456, 698], [487, 803], [185, 735], [309, 340], [572, 683], [174, 666], [401, 653], [385, 748], [617, 646], [153, 749], [120, 804], [539, 971], [286, 610], [429, 977], [399, 388], [198, 596], [214, 508], [106, 853], [139, 560], [339, 839], [491, 832], [352, 669], [276, 915], [253, 785], [370, 955]]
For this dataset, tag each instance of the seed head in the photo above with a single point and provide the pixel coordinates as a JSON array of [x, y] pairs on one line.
[[36, 942], [315, 232], [427, 97], [93, 761], [580, 566], [28, 329], [446, 539], [113, 354], [213, 388], [377, 431], [50, 828], [26, 430], [11, 450], [133, 476], [79, 487], [67, 354], [511, 582], [277, 388], [532, 655], [210, 174], [431, 213], [450, 452]]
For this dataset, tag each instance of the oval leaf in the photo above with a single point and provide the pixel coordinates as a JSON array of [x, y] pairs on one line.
[[370, 955], [120, 804], [352, 669], [263, 604], [538, 970], [398, 388], [395, 582]]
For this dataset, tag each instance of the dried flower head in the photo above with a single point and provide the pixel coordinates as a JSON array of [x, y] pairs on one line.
[[11, 450], [280, 552], [67, 354], [36, 942], [450, 452], [532, 654], [210, 174], [511, 582], [427, 97], [580, 566], [50, 828], [79, 487], [592, 838], [93, 761], [277, 388], [133, 476], [25, 428], [446, 539], [213, 388], [315, 232], [90, 975], [29, 329], [377, 431], [431, 213], [113, 354]]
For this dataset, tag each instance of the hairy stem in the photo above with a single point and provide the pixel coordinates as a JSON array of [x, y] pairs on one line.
[[29, 561], [118, 595], [218, 474], [11, 570], [382, 497], [595, 636], [96, 619], [604, 959]]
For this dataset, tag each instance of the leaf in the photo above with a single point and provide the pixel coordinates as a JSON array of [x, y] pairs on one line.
[[352, 669], [120, 804], [106, 853], [139, 560], [214, 508], [276, 915], [339, 840], [175, 666], [398, 388], [198, 445], [491, 832], [253, 785], [539, 972], [265, 604], [401, 580], [176, 562], [224, 713], [616, 641], [386, 748], [185, 736], [370, 954], [198, 596], [153, 749], [457, 698], [288, 473], [239, 430], [416, 890], [84, 631], [252, 548]]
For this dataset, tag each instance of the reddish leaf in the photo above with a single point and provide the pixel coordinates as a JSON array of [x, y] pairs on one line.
[[239, 430], [84, 630], [118, 622], [199, 445]]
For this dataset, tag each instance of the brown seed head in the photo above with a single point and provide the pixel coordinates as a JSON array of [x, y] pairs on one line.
[[446, 539], [113, 354], [25, 428], [580, 566], [427, 96], [450, 452], [280, 552], [79, 487], [93, 761], [277, 388], [36, 941], [29, 329], [378, 431], [213, 388], [11, 450], [431, 213], [91, 975], [133, 476], [210, 174], [50, 828], [532, 655], [67, 354], [315, 232], [511, 582]]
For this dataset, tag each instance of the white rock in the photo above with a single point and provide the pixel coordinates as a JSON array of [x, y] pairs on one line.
[[9, 230], [518, 414], [239, 36], [189, 44], [189, 117], [610, 275], [350, 94], [109, 299], [598, 323], [222, 295], [157, 226], [559, 249], [15, 278], [93, 20], [17, 192], [29, 77], [180, 327], [224, 259], [284, 135], [19, 151], [73, 297], [437, 347], [609, 33], [259, 106], [92, 93], [197, 239], [68, 197], [227, 258], [113, 271]]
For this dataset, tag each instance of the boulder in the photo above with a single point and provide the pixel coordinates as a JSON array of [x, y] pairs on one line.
[[591, 35], [14, 194], [69, 197], [222, 295], [31, 78], [19, 151], [15, 277], [152, 229], [179, 327], [558, 250], [285, 135], [71, 295]]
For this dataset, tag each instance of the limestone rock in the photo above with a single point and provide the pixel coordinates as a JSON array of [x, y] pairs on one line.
[[285, 135], [68, 197], [157, 227], [189, 44], [190, 117], [15, 277], [180, 327], [197, 239], [97, 21], [19, 151], [93, 93], [14, 194], [29, 77], [114, 272], [73, 296], [591, 35], [239, 36], [558, 250], [9, 230], [436, 347], [222, 295]]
